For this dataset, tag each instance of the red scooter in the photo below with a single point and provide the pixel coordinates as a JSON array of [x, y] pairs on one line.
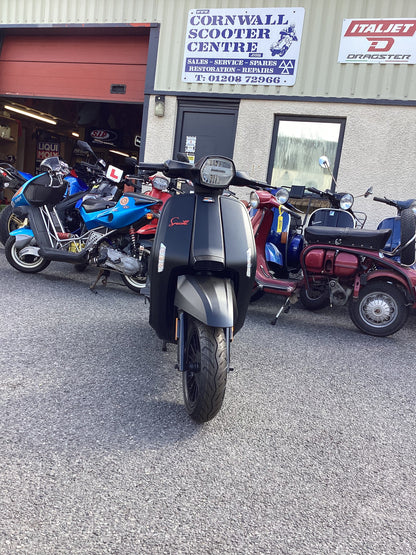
[[161, 189], [349, 263]]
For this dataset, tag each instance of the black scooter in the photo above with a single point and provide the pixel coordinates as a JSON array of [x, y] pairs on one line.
[[201, 275]]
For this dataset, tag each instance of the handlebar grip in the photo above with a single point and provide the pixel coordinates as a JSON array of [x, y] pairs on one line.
[[152, 167], [385, 200], [313, 190]]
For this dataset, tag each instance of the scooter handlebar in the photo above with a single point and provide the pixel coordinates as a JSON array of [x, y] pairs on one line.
[[285, 208], [385, 201], [153, 168], [242, 179], [314, 190]]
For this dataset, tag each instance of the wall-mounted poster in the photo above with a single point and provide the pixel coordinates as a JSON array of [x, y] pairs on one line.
[[254, 46], [378, 41]]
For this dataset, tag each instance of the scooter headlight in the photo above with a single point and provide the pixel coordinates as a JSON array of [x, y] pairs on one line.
[[254, 200], [160, 183], [346, 201], [217, 172], [282, 196]]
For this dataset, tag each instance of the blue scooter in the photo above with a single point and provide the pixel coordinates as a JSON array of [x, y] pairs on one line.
[[402, 239], [13, 217], [108, 237]]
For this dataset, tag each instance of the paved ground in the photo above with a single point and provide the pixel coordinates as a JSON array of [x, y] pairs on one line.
[[313, 452]]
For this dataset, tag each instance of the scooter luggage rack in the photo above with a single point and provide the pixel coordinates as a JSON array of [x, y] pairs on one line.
[[348, 237]]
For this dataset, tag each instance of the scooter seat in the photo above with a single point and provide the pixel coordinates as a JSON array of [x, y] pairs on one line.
[[372, 239], [94, 204]]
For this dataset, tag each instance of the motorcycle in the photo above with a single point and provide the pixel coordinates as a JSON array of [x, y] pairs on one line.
[[11, 178], [401, 243], [351, 264], [280, 47], [201, 275], [80, 179], [108, 236]]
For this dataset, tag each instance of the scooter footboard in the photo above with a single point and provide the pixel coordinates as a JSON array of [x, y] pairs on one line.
[[209, 299]]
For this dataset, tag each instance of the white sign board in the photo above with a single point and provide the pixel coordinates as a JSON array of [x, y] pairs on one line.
[[253, 46], [379, 41]]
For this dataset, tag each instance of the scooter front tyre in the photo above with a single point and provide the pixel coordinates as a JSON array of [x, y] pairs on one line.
[[9, 221], [380, 310], [205, 375], [28, 264]]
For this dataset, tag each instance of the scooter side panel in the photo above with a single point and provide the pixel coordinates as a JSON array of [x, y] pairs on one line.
[[240, 253], [123, 214], [169, 258]]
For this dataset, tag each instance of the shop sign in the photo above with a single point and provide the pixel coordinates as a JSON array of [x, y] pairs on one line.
[[46, 149], [253, 46], [382, 41], [103, 136]]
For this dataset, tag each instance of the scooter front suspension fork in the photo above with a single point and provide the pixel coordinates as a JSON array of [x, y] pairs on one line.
[[180, 334]]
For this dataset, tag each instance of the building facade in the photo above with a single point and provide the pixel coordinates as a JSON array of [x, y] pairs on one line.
[[271, 84]]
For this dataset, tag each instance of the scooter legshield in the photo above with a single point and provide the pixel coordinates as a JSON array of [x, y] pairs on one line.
[[209, 299]]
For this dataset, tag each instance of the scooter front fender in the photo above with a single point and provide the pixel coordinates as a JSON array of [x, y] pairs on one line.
[[24, 235], [211, 300]]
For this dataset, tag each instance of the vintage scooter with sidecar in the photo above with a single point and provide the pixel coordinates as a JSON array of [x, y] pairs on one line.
[[349, 263], [401, 242]]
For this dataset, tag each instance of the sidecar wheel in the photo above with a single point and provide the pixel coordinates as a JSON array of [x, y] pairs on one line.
[[205, 375], [28, 263], [314, 298], [9, 221], [407, 233], [380, 310]]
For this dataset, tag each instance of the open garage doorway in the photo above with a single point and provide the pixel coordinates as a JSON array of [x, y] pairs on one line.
[[111, 128]]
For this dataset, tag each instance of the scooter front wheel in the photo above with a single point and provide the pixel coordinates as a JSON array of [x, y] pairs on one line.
[[9, 221], [380, 309], [27, 263], [205, 374]]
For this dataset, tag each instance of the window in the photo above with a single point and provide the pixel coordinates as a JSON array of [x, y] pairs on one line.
[[298, 143]]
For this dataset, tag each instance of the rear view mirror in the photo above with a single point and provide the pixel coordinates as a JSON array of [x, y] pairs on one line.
[[324, 162]]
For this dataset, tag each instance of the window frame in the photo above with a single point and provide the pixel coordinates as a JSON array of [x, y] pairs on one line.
[[314, 119]]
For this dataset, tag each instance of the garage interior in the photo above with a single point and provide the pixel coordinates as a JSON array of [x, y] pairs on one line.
[[60, 85], [112, 130]]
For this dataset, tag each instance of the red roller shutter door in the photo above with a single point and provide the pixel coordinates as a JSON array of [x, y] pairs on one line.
[[74, 66]]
